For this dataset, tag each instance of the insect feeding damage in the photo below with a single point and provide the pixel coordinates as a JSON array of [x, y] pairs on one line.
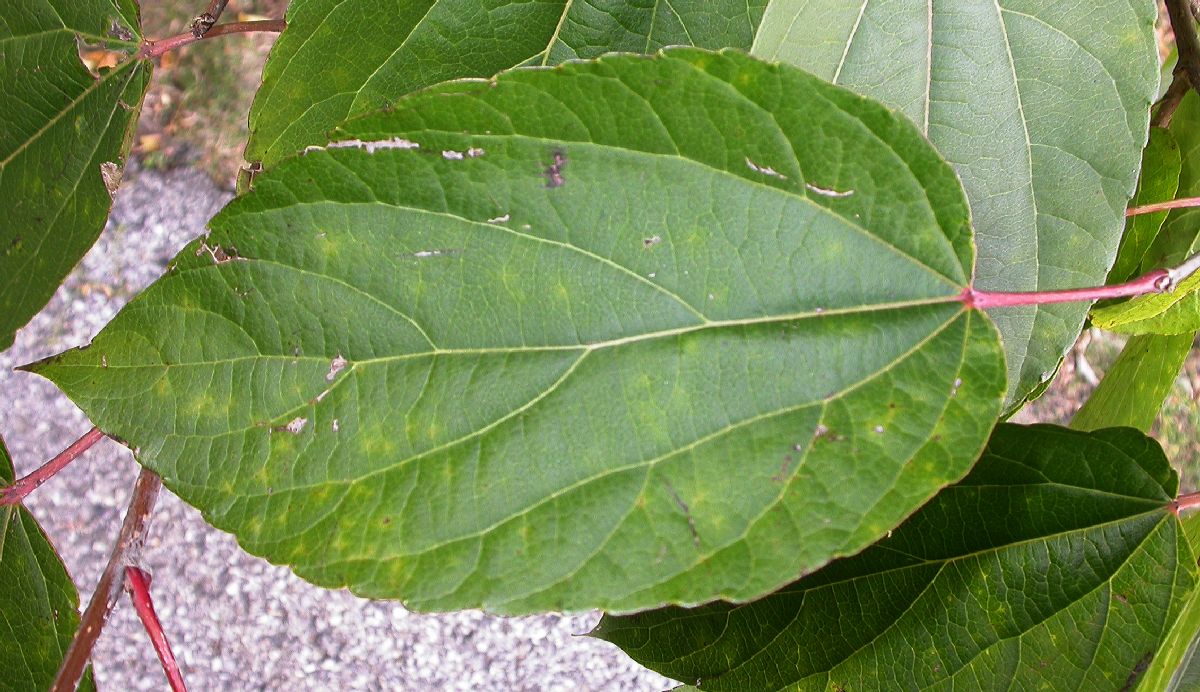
[[765, 170], [370, 147], [554, 172], [111, 174], [335, 366], [220, 255], [294, 426], [452, 155]]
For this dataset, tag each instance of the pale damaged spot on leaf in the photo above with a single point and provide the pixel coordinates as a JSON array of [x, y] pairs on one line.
[[500, 219], [828, 192], [111, 173], [472, 153], [651, 241], [369, 147], [220, 255], [441, 252], [335, 366], [96, 57], [765, 170], [294, 426], [119, 31]]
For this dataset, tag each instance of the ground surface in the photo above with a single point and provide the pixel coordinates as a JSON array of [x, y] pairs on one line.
[[235, 621]]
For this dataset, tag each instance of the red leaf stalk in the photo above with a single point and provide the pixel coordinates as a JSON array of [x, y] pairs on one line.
[[153, 49], [17, 492], [137, 581]]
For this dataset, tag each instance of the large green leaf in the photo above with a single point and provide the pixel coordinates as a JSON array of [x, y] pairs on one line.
[[1056, 564], [1176, 666], [63, 137], [1134, 388], [1042, 107], [508, 348], [39, 606], [1158, 182], [399, 50]]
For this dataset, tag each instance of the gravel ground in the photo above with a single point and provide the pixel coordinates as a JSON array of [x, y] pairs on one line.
[[235, 621]]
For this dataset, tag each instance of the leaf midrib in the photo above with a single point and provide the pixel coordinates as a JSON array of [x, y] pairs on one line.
[[592, 346]]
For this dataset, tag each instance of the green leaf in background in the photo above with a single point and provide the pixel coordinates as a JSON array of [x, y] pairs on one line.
[[1178, 237], [1056, 564], [1158, 183], [618, 334], [1134, 388], [1177, 312], [397, 51], [64, 134], [1042, 107], [39, 606], [1176, 667]]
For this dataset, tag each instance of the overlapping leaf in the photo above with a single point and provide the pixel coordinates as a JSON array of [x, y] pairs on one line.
[[618, 334], [1134, 388], [399, 50], [1176, 666], [1041, 107], [1158, 182], [63, 138], [1055, 564], [38, 602], [1177, 312]]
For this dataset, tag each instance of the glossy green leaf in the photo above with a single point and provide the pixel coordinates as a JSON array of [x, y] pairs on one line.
[[1134, 388], [1176, 666], [1177, 312], [1042, 107], [1158, 182], [398, 50], [1178, 237], [506, 348], [1056, 564], [63, 138], [39, 606]]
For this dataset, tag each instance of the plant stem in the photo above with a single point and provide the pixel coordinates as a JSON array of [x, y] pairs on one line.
[[1157, 281], [129, 544], [153, 49], [1183, 23], [16, 492], [1171, 99], [201, 24], [137, 581], [1181, 203], [1189, 501]]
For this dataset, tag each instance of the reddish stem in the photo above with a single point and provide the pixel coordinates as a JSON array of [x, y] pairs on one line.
[[153, 49], [137, 581], [1181, 203], [1157, 281], [16, 492], [129, 543], [1189, 501]]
